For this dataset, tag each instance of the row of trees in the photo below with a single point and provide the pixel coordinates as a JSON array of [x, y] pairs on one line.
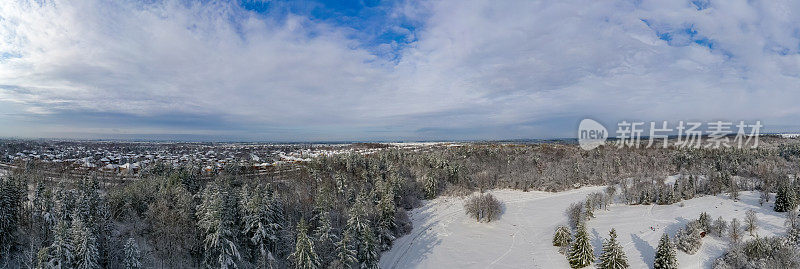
[[579, 249]]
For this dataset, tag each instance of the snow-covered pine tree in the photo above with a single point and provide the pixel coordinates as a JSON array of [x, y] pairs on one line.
[[278, 223], [359, 227], [324, 238], [86, 253], [133, 257], [61, 250], [666, 196], [431, 185], [562, 237], [793, 235], [304, 256], [216, 221], [345, 254], [261, 225], [688, 239], [386, 224], [580, 252], [41, 211], [785, 199], [735, 231], [613, 257], [733, 191], [720, 227], [705, 222], [43, 258], [751, 222], [369, 252], [756, 249], [12, 194], [665, 254]]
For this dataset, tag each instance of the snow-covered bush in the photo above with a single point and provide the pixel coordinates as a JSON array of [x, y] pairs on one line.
[[688, 239], [719, 227], [483, 207], [770, 252]]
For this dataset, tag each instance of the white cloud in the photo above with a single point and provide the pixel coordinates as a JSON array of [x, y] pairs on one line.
[[477, 68]]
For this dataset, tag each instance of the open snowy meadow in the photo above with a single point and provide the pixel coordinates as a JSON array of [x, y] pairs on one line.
[[445, 237]]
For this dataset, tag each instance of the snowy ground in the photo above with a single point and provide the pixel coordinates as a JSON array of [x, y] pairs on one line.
[[444, 237]]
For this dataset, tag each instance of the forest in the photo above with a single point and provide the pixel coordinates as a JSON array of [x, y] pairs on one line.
[[337, 211]]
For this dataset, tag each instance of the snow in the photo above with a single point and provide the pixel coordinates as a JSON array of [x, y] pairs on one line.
[[444, 237]]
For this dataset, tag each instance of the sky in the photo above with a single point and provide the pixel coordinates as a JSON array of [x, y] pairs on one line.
[[390, 70]]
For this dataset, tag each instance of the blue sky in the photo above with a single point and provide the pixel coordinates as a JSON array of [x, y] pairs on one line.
[[390, 70]]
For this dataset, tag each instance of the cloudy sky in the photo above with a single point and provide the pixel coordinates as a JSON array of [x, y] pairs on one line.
[[390, 70]]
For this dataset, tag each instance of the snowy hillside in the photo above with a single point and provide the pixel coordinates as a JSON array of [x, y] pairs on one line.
[[444, 237]]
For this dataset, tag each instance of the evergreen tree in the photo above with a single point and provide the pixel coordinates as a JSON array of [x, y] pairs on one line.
[[785, 199], [580, 253], [61, 250], [386, 224], [431, 185], [688, 239], [612, 257], [41, 211], [345, 254], [733, 191], [132, 255], [324, 238], [562, 237], [217, 221], [665, 254], [261, 223], [369, 254], [360, 228], [667, 196], [43, 258], [756, 249], [304, 256], [86, 253], [720, 227], [705, 222], [793, 235], [12, 195]]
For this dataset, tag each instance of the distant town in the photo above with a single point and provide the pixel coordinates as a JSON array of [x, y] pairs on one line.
[[128, 158]]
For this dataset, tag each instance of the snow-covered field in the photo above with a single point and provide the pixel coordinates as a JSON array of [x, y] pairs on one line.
[[444, 237]]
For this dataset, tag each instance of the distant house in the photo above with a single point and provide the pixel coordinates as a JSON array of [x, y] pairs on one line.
[[88, 165], [129, 167], [110, 168]]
